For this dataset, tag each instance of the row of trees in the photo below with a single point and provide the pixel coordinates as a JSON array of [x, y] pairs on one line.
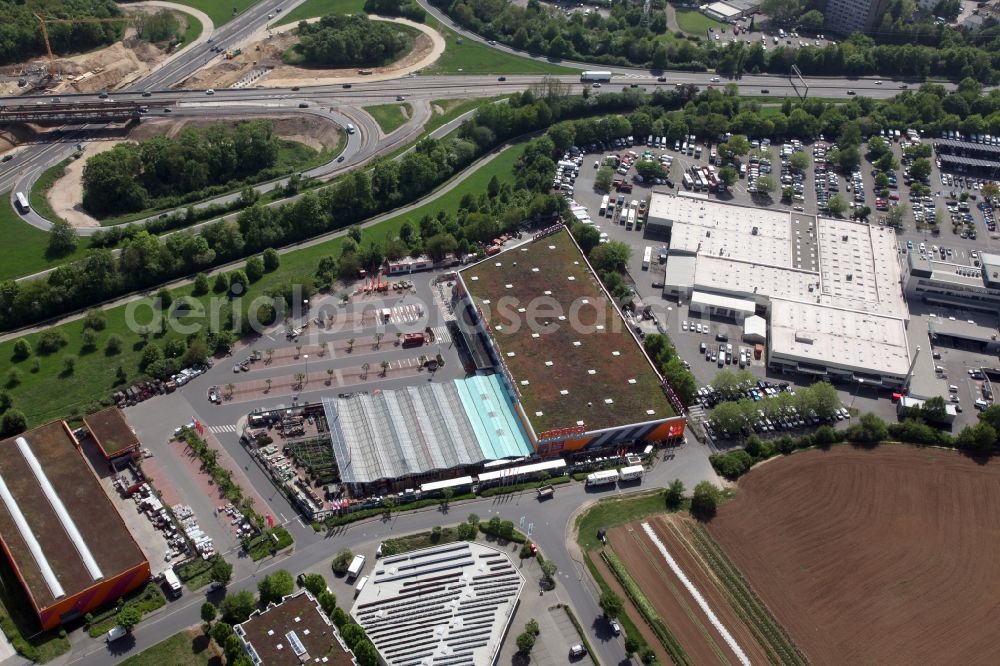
[[237, 608], [350, 41], [21, 36], [145, 261], [980, 439], [625, 39], [162, 171], [408, 9], [732, 416]]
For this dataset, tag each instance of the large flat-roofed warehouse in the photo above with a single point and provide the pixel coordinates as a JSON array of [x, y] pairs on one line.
[[291, 633], [448, 604], [64, 538], [410, 434], [831, 289], [578, 374]]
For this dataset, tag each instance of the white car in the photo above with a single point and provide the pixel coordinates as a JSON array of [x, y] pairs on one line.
[[684, 325], [210, 91], [697, 327], [115, 633]]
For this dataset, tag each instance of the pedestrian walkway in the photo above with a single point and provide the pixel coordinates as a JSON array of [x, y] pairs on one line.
[[220, 429]]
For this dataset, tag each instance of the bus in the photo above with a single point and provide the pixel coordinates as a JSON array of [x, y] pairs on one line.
[[630, 220], [647, 256], [604, 206], [687, 181], [595, 76], [22, 202]]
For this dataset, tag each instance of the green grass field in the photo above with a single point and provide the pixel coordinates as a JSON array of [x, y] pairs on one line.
[[472, 57], [194, 28], [220, 12], [694, 22], [390, 117], [179, 650], [24, 245], [39, 192], [451, 108], [47, 394], [311, 8]]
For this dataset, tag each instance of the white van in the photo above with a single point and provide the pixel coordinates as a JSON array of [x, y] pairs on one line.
[[116, 632], [952, 388], [360, 586], [350, 128]]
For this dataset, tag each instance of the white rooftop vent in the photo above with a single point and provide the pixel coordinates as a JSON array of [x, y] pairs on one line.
[[803, 337]]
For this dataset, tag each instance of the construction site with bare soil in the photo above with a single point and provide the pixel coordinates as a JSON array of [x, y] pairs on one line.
[[66, 194], [106, 68], [260, 64]]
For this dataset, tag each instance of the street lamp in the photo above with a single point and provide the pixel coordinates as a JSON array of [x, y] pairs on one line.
[[306, 357], [856, 391]]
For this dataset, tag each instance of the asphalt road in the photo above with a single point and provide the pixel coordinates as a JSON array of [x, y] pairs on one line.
[[552, 529]]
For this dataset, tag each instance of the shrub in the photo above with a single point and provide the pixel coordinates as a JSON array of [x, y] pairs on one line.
[[22, 349], [341, 562], [731, 465], [113, 345], [52, 340], [705, 500]]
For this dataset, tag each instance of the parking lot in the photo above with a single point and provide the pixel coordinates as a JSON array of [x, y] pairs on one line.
[[813, 187]]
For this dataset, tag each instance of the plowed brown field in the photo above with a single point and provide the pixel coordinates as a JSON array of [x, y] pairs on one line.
[[886, 556], [681, 613]]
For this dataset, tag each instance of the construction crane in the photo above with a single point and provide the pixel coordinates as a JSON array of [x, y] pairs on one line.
[[45, 32]]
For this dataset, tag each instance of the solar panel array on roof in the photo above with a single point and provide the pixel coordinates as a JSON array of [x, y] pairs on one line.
[[446, 606]]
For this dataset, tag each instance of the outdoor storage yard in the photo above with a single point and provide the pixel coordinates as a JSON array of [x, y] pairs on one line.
[[881, 556]]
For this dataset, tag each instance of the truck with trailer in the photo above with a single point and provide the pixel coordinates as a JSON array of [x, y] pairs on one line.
[[357, 565], [632, 473], [602, 478], [595, 77]]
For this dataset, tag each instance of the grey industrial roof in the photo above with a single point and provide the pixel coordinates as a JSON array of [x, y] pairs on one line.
[[970, 146], [448, 604], [969, 161], [393, 434]]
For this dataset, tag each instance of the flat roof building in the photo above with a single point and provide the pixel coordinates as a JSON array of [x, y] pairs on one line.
[[830, 288], [849, 16], [964, 334], [112, 433], [449, 604], [293, 633], [413, 433], [64, 538], [954, 285], [577, 374]]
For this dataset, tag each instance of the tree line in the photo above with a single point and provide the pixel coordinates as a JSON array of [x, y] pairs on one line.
[[625, 39], [146, 262], [350, 41], [21, 35], [980, 439], [163, 171], [408, 9]]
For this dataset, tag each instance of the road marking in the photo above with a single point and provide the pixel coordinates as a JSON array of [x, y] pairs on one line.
[[216, 430]]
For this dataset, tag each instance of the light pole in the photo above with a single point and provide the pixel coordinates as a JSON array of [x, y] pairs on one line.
[[856, 391], [306, 357]]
